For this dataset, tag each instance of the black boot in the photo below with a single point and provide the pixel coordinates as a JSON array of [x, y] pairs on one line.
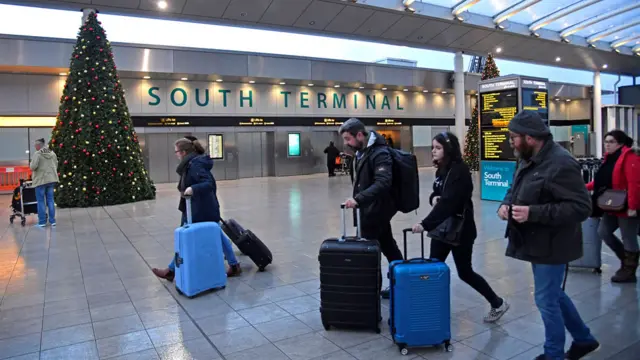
[[627, 274]]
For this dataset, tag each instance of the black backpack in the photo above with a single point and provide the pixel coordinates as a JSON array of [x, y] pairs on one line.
[[406, 183]]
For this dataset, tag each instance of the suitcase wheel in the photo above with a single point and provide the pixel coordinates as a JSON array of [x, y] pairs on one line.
[[447, 346], [378, 331], [403, 349], [261, 268], [326, 326]]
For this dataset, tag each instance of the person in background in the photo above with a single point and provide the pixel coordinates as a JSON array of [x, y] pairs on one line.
[[620, 171], [44, 166], [544, 209], [372, 187], [196, 181], [452, 192], [332, 153]]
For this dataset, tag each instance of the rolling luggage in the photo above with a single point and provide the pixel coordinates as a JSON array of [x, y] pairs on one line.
[[350, 281], [419, 302], [591, 247], [233, 230], [250, 245], [198, 257]]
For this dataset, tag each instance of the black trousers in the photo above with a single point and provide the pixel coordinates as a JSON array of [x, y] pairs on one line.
[[462, 258], [332, 169], [383, 233]]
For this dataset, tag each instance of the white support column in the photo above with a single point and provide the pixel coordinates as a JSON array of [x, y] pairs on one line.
[[458, 87], [597, 113], [85, 14]]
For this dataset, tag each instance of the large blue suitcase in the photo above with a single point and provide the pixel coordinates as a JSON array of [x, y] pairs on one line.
[[198, 257], [420, 302]]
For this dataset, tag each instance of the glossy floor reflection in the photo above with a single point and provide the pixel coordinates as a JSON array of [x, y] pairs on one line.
[[85, 290]]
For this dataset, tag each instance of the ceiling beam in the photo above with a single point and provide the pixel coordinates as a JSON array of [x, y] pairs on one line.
[[594, 20], [624, 41], [513, 10], [462, 7], [546, 20], [603, 34]]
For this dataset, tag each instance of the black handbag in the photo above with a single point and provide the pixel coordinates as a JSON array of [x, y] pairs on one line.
[[449, 230]]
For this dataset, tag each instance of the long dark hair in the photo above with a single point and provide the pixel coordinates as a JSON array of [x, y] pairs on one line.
[[452, 152], [621, 137]]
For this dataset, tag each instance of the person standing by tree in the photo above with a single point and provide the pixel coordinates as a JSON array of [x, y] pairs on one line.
[[45, 176]]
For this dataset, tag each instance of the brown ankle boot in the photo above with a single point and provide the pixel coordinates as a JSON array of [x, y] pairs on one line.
[[627, 274], [166, 274]]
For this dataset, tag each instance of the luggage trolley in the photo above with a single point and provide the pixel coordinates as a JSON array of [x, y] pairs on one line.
[[23, 202]]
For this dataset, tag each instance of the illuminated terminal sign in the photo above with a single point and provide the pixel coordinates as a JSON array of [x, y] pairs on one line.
[[256, 122], [155, 121], [169, 121], [327, 122], [495, 145], [389, 122]]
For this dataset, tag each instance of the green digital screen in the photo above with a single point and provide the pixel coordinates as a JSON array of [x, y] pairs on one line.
[[294, 144]]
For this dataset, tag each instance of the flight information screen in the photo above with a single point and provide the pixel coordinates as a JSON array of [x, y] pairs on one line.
[[495, 145], [538, 101], [498, 108]]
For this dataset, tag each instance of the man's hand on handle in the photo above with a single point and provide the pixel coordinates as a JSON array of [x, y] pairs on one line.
[[350, 203]]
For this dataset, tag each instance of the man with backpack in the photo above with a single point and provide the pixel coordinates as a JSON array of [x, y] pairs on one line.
[[372, 186]]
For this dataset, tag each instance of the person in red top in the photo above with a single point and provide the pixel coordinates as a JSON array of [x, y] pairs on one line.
[[620, 170]]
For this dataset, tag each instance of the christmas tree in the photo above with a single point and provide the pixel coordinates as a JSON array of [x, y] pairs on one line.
[[100, 159], [472, 139]]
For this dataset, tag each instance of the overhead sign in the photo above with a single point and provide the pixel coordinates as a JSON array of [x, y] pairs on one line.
[[536, 100], [181, 121], [495, 145], [499, 85], [534, 84], [498, 108]]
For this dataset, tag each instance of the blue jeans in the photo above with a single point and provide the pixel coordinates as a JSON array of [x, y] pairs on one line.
[[557, 311], [45, 193], [227, 249]]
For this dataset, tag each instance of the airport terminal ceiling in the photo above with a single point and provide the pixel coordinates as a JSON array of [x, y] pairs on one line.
[[581, 34]]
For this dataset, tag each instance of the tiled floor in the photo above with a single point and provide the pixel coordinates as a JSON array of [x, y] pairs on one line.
[[85, 290]]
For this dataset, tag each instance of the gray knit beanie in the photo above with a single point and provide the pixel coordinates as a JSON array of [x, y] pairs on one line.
[[528, 122]]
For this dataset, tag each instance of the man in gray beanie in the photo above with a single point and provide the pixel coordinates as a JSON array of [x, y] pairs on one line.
[[544, 209]]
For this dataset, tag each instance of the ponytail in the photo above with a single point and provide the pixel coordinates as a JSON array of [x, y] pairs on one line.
[[190, 146]]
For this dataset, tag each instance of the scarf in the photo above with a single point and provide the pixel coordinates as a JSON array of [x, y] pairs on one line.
[[182, 169]]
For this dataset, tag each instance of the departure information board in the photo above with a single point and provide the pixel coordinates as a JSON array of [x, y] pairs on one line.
[[497, 108], [536, 100], [495, 145]]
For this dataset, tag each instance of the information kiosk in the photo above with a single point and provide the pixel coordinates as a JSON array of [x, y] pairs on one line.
[[500, 100]]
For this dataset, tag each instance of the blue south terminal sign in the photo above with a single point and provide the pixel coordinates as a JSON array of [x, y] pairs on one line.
[[496, 178]]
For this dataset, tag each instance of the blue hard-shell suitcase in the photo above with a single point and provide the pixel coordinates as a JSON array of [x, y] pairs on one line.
[[198, 257], [420, 302]]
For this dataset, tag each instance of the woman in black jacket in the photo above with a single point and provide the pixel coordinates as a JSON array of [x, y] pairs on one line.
[[452, 191]]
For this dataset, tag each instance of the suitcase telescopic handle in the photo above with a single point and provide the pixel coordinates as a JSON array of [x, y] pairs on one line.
[[344, 222], [187, 200], [404, 233]]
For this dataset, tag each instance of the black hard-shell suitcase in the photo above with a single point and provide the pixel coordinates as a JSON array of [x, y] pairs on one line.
[[255, 249], [233, 231], [350, 281]]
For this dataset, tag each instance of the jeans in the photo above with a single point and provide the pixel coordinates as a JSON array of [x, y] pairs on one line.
[[628, 229], [462, 257], [557, 311], [227, 249], [45, 193]]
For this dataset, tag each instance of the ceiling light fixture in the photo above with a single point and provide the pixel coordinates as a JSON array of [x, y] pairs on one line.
[[499, 50], [162, 4], [425, 91], [184, 79], [558, 59], [283, 83], [219, 80], [605, 66], [336, 86], [252, 81], [383, 89], [63, 74], [444, 92], [407, 6], [568, 100], [405, 89], [361, 87], [309, 84], [147, 77]]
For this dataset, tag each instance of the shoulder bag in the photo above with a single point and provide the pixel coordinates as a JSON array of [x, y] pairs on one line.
[[449, 230]]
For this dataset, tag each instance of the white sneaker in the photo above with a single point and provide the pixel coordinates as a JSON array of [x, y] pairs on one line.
[[495, 314], [53, 224]]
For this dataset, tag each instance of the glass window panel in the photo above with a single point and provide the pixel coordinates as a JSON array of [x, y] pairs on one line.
[[586, 13], [492, 7], [445, 3], [626, 34], [540, 10], [624, 18]]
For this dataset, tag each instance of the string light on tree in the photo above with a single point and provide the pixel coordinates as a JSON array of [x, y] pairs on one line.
[[93, 115], [472, 139]]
